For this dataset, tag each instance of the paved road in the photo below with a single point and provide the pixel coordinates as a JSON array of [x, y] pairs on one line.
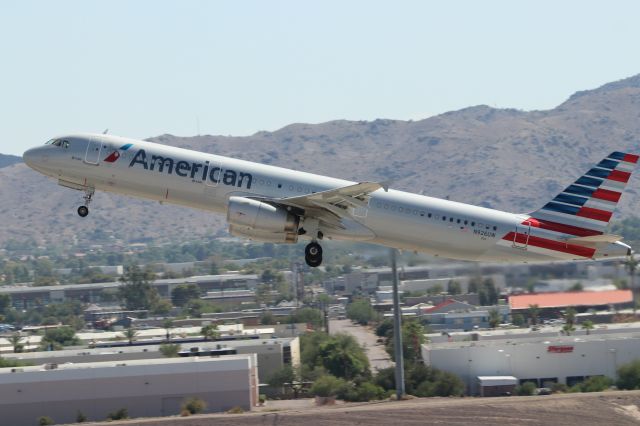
[[378, 357]]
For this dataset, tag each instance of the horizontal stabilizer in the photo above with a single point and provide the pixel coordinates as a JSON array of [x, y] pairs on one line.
[[594, 239]]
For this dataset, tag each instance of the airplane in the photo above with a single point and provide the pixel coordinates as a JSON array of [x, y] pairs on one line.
[[278, 205]]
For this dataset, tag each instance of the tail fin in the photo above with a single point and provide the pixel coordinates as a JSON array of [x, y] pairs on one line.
[[585, 207]]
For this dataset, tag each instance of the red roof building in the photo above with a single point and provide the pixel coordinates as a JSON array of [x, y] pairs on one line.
[[571, 298]]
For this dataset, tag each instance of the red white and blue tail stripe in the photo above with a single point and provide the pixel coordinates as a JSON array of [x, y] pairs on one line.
[[585, 207]]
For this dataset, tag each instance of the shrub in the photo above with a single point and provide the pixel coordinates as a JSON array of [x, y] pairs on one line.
[[328, 386], [80, 417], [170, 350], [629, 376], [236, 410], [363, 392], [559, 388], [595, 384], [121, 414], [45, 421], [193, 405], [526, 389]]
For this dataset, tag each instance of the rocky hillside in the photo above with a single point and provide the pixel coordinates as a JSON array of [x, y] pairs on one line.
[[501, 158]]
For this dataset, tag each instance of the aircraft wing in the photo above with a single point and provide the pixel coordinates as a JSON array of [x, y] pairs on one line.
[[595, 239], [334, 204]]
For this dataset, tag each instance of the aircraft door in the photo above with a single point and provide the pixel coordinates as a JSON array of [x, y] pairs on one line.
[[521, 237], [92, 156]]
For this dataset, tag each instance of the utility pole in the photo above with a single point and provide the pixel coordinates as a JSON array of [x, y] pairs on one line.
[[397, 329]]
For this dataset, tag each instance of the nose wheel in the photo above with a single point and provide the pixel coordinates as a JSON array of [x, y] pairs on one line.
[[313, 254], [83, 211]]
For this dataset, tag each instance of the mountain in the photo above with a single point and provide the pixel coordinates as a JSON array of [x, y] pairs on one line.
[[7, 160], [502, 158]]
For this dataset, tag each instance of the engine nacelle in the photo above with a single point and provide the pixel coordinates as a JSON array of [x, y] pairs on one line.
[[261, 221]]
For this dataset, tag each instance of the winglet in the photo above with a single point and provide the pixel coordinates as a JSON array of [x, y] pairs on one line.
[[385, 185]]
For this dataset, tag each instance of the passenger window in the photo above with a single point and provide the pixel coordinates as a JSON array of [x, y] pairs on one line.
[[495, 228], [466, 221], [473, 224], [458, 221], [444, 218], [429, 215]]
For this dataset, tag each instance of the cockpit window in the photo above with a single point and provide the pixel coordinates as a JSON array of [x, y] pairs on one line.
[[58, 142]]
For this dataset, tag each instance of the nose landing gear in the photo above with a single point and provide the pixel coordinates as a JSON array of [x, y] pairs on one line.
[[313, 254], [83, 211]]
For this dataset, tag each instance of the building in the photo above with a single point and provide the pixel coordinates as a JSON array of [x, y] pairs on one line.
[[144, 388], [272, 354], [543, 360], [24, 297], [551, 305]]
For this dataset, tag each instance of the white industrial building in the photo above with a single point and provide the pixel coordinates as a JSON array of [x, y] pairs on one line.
[[541, 359], [144, 387]]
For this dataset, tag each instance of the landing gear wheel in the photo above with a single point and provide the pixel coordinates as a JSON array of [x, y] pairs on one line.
[[313, 254], [83, 211]]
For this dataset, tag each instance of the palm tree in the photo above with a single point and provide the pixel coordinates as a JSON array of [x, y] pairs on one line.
[[494, 318], [588, 326], [570, 317], [534, 311], [568, 329], [632, 264], [168, 325], [130, 334], [210, 332], [15, 339]]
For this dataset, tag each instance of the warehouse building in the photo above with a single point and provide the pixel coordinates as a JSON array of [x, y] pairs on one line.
[[144, 388], [543, 360]]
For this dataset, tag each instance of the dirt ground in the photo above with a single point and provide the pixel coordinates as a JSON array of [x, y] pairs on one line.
[[605, 408]]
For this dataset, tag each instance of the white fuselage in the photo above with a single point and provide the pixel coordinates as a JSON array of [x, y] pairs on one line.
[[206, 181]]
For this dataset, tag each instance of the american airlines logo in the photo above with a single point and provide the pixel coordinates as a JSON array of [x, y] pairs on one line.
[[196, 171], [113, 157]]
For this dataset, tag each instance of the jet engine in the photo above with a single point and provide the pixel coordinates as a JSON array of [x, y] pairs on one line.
[[260, 221]]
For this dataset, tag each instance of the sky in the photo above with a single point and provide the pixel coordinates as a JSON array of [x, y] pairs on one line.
[[144, 68]]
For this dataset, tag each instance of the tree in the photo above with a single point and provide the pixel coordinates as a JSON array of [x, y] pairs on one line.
[[593, 384], [632, 264], [15, 340], [342, 356], [534, 312], [474, 284], [488, 293], [56, 338], [307, 315], [568, 329], [494, 318], [161, 307], [5, 303], [267, 318], [361, 311], [412, 339], [136, 292], [385, 328], [182, 294], [453, 287], [576, 287], [167, 324], [130, 334], [263, 294], [518, 320], [570, 317], [629, 376], [210, 332], [587, 325], [281, 377]]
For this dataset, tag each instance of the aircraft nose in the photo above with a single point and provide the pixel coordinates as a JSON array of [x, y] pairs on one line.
[[29, 157], [33, 157]]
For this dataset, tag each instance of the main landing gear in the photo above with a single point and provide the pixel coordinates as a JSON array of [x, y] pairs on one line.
[[313, 254], [83, 211]]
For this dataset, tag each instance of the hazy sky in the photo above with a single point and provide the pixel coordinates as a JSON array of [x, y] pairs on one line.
[[143, 68]]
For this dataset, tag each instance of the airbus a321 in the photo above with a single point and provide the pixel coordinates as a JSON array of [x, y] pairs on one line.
[[278, 205]]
